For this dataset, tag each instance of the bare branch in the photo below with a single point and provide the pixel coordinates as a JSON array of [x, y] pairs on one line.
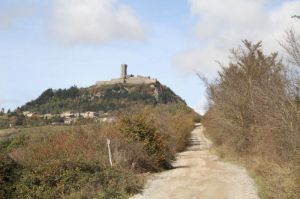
[[291, 45]]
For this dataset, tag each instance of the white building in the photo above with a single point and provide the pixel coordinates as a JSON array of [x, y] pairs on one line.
[[88, 114], [66, 114]]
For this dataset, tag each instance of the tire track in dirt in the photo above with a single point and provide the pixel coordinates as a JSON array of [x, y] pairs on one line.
[[199, 174]]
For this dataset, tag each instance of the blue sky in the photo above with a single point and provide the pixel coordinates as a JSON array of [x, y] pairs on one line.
[[42, 46]]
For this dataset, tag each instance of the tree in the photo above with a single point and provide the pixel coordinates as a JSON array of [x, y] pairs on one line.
[[2, 112], [296, 16], [20, 120], [251, 97], [45, 96], [292, 47], [253, 114]]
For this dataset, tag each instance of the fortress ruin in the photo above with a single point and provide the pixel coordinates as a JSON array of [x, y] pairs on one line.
[[127, 79]]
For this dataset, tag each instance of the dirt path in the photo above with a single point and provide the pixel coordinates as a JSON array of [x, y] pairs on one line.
[[198, 174]]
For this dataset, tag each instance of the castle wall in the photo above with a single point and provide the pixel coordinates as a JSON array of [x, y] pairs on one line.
[[139, 80], [111, 82], [129, 80]]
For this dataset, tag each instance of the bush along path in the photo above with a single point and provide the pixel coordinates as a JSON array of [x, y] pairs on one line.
[[198, 174], [72, 161]]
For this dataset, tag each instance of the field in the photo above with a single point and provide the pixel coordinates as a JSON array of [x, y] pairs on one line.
[[72, 161]]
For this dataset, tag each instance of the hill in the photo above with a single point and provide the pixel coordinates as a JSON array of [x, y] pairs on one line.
[[50, 157], [101, 98]]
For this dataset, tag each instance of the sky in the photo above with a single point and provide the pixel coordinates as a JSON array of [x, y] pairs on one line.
[[60, 43]]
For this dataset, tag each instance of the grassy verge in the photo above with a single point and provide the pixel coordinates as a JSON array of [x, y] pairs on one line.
[[272, 179]]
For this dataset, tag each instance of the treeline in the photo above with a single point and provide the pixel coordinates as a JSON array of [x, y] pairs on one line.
[[254, 116], [71, 92], [72, 162], [103, 98]]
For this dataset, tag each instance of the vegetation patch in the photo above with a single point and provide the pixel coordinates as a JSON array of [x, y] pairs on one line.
[[72, 161], [254, 119], [100, 98]]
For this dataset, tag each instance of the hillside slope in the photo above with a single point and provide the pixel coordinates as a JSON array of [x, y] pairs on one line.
[[101, 98]]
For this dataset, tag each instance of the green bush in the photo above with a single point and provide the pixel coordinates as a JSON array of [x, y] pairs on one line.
[[59, 179], [9, 144], [9, 175], [139, 127]]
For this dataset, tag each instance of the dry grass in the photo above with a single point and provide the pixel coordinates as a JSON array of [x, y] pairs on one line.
[[72, 161]]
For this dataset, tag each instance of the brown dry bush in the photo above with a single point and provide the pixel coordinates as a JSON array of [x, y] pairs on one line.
[[253, 114], [75, 160], [168, 126], [72, 162], [175, 122]]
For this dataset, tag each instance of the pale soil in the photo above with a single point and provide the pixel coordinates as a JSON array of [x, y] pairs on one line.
[[199, 174]]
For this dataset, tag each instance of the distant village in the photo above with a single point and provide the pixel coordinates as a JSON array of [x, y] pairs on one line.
[[71, 118]]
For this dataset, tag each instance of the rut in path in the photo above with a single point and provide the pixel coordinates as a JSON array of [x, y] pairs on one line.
[[198, 174]]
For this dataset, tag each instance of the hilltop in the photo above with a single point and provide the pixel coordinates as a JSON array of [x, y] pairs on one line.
[[99, 102], [104, 96], [101, 98]]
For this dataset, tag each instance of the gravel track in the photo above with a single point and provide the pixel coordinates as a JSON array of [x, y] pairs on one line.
[[199, 174]]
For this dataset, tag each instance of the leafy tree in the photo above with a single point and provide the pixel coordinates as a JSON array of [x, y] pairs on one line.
[[2, 112], [20, 120], [46, 95]]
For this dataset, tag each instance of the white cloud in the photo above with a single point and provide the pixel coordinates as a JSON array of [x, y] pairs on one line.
[[223, 24], [203, 61], [90, 21], [202, 106]]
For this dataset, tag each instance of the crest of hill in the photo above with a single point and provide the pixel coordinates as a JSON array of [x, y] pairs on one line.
[[105, 97]]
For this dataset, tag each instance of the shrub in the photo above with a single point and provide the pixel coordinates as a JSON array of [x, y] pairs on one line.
[[139, 127], [9, 176], [9, 144], [62, 178], [253, 114], [72, 161]]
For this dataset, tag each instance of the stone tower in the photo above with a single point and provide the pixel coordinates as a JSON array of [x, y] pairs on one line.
[[124, 72]]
